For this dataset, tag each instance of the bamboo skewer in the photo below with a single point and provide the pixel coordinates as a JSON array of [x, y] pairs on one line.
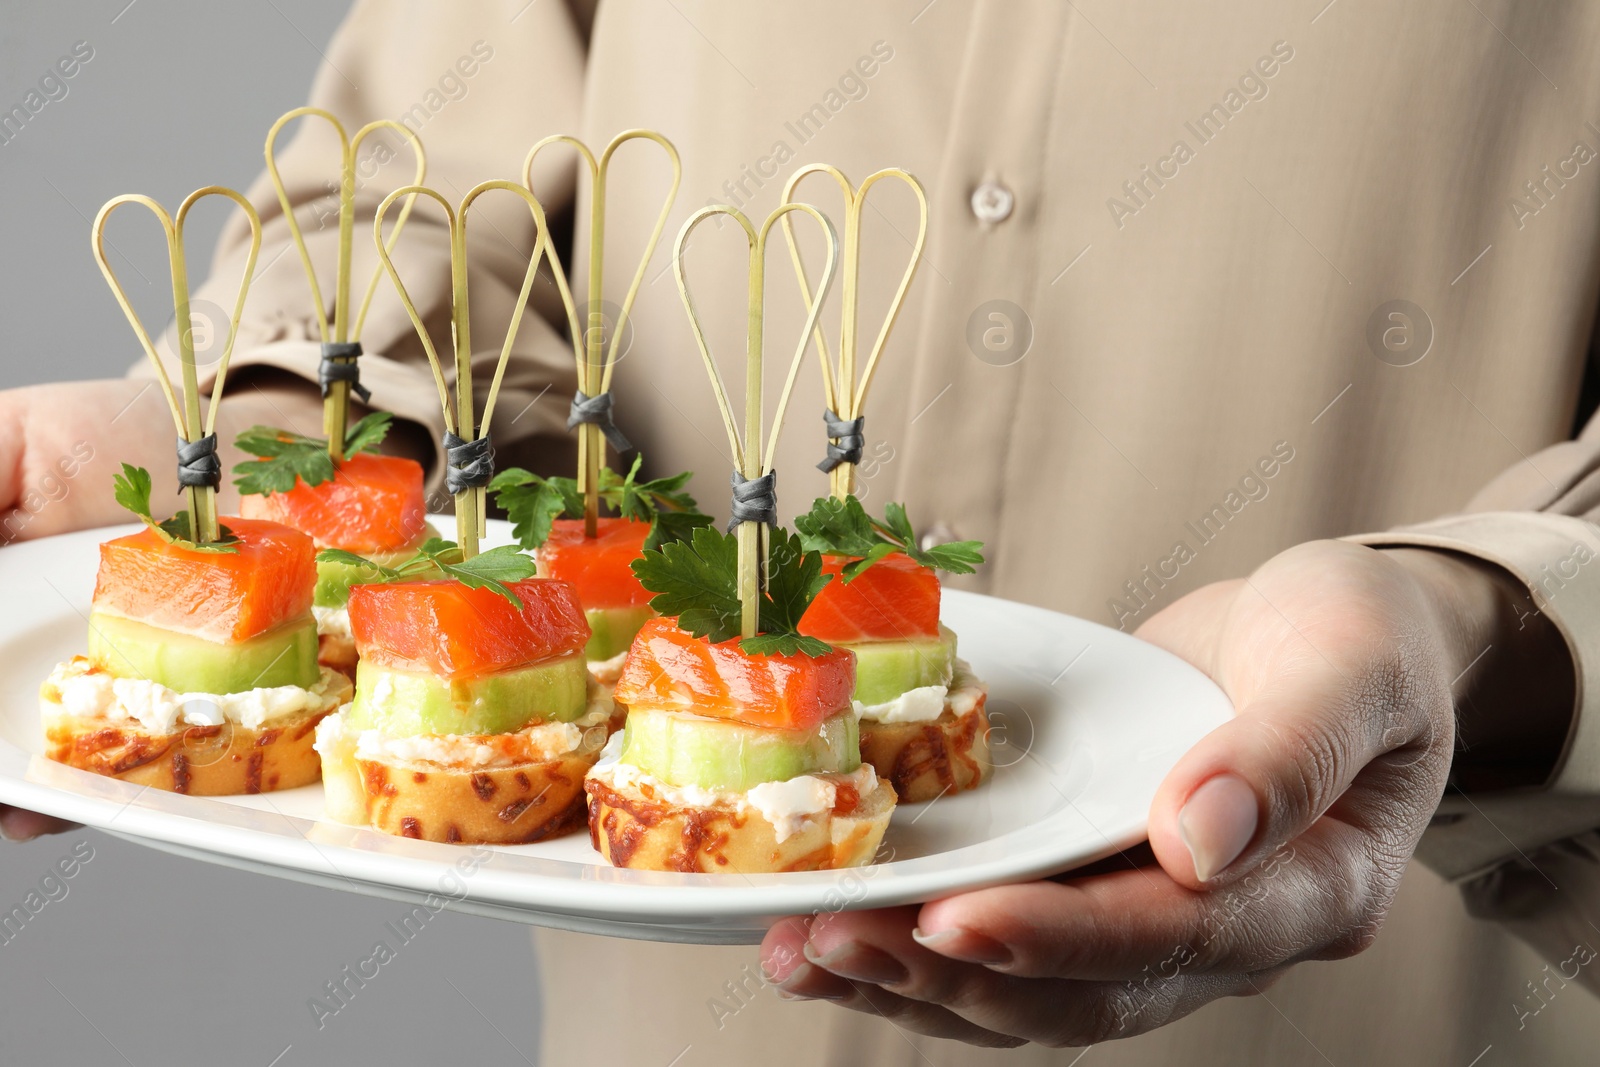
[[186, 414], [846, 394], [336, 407], [594, 358], [749, 457], [471, 504]]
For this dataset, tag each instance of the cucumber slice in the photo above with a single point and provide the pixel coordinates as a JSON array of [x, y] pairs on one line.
[[689, 750], [335, 579], [286, 655], [408, 704], [612, 630], [885, 669]]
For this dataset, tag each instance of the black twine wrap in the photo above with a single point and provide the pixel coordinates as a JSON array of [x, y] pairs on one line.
[[596, 410], [754, 500], [845, 440], [198, 465], [468, 464], [339, 365]]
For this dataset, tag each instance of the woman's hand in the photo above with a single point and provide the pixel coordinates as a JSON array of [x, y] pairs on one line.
[[61, 443], [1280, 837]]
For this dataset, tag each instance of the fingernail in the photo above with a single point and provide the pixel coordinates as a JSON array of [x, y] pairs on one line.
[[802, 975], [860, 962], [962, 944], [1217, 822]]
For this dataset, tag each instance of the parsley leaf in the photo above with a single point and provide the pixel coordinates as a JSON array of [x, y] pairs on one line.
[[784, 645], [491, 570], [367, 432], [351, 559], [178, 531], [840, 527], [285, 457], [131, 489], [794, 578], [844, 528], [488, 570], [698, 581], [673, 514], [534, 503]]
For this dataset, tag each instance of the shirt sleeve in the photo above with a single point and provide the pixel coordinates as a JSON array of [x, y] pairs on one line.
[[1530, 858], [446, 72]]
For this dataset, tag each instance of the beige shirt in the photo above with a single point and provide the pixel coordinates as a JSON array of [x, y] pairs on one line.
[[1202, 281]]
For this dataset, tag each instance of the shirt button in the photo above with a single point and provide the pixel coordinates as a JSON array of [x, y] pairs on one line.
[[992, 202], [937, 534]]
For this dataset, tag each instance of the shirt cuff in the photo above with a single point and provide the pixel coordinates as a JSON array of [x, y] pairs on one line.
[[1558, 558]]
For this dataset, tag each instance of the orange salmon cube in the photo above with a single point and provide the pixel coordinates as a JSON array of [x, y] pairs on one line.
[[895, 599], [443, 628], [219, 596], [373, 504], [670, 670], [597, 566]]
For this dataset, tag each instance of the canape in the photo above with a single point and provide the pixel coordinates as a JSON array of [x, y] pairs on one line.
[[735, 762], [474, 718], [201, 675], [364, 503], [924, 718], [337, 488]]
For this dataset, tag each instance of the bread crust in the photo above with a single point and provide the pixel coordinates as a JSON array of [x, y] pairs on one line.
[[427, 801], [200, 761], [642, 832], [925, 760]]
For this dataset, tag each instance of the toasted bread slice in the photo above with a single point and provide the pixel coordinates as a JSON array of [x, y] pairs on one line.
[[430, 801], [495, 806], [929, 759], [632, 829], [339, 653], [199, 760]]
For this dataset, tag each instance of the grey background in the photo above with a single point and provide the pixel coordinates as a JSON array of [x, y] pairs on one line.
[[149, 958]]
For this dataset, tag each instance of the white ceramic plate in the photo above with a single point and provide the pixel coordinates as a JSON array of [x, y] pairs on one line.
[[1087, 721]]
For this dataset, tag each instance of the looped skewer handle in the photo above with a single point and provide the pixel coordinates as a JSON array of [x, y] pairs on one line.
[[750, 460], [595, 358], [459, 418], [186, 415], [846, 394], [343, 330]]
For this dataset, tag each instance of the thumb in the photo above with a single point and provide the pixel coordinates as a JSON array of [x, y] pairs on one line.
[[1260, 781]]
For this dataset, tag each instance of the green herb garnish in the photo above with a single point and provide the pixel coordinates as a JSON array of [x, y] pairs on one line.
[[533, 503], [490, 570], [132, 490], [843, 528], [697, 580], [286, 457]]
